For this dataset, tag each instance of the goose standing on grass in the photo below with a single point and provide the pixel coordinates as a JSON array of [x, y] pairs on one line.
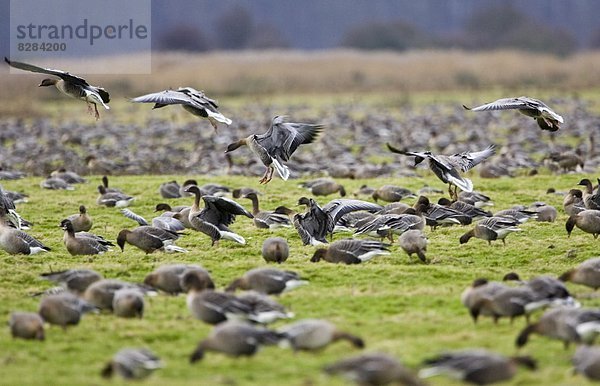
[[73, 280], [573, 202], [586, 362], [108, 189], [15, 241], [169, 278], [591, 200], [113, 199], [587, 220], [479, 367], [414, 241], [192, 101], [448, 168], [132, 363], [491, 228], [277, 145], [83, 243], [315, 334], [266, 219], [169, 189], [82, 222], [26, 325], [267, 280], [275, 250], [102, 292], [218, 213], [70, 85], [392, 193], [546, 118], [54, 183], [351, 251], [63, 309], [587, 273], [128, 303], [68, 176], [149, 239], [374, 370]]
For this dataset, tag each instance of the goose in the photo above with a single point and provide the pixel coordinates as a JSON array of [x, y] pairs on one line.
[[169, 189], [586, 361], [479, 367], [241, 192], [16, 197], [8, 213], [394, 208], [267, 280], [108, 189], [364, 190], [128, 303], [351, 251], [63, 309], [436, 215], [447, 168], [586, 273], [132, 363], [392, 193], [573, 202], [113, 199], [83, 243], [180, 213], [235, 338], [149, 239], [491, 228], [324, 187], [168, 223], [508, 302], [476, 199], [169, 278], [277, 145], [591, 200], [480, 289], [518, 215], [263, 309], [414, 241], [26, 325], [315, 334], [266, 219], [81, 222], [218, 213], [70, 85], [373, 369], [183, 188], [53, 183], [10, 174], [587, 220], [73, 280], [389, 224], [545, 212], [275, 250], [101, 293], [546, 118], [14, 241], [192, 101], [68, 176]]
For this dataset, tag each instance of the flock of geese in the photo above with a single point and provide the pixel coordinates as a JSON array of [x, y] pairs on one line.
[[240, 320]]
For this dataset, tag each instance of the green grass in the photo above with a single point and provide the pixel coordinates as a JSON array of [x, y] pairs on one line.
[[400, 307]]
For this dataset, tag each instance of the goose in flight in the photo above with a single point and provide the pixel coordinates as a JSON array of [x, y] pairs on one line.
[[546, 118], [70, 85], [192, 101], [448, 168], [278, 144]]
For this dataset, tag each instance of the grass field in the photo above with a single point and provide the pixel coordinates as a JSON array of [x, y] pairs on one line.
[[400, 307]]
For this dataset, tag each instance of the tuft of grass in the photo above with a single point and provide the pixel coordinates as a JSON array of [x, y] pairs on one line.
[[401, 307]]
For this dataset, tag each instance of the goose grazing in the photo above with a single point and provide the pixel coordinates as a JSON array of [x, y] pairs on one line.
[[374, 370], [128, 303], [15, 242], [70, 85], [168, 223], [479, 367], [414, 241], [586, 361], [573, 202], [470, 210], [63, 309], [102, 292], [268, 281], [235, 338], [218, 213], [351, 251], [68, 176], [480, 289], [266, 219], [538, 110], [26, 325], [315, 334], [82, 222], [132, 363], [587, 220], [113, 199], [275, 249], [323, 187], [437, 215], [391, 193], [83, 243], [73, 280], [491, 228], [277, 145], [192, 101], [149, 239], [586, 273], [448, 168], [170, 278], [56, 184], [169, 189]]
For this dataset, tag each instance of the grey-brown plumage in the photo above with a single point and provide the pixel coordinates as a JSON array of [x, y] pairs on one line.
[[586, 273], [192, 101], [68, 176], [374, 369], [545, 212], [586, 362], [266, 219], [392, 193], [15, 242], [591, 199], [573, 202], [102, 292], [70, 85], [350, 251], [113, 199], [507, 302], [128, 303], [73, 280], [169, 189], [388, 225], [166, 222], [587, 220], [438, 215], [315, 334], [267, 280], [490, 229], [275, 250], [26, 325], [479, 367], [414, 241], [235, 338], [479, 290], [149, 239], [55, 183], [82, 222], [83, 243], [323, 187], [132, 363], [278, 144], [169, 278], [63, 309]]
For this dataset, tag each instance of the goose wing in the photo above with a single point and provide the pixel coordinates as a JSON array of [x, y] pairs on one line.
[[508, 104], [61, 74], [467, 160], [282, 139], [133, 216]]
